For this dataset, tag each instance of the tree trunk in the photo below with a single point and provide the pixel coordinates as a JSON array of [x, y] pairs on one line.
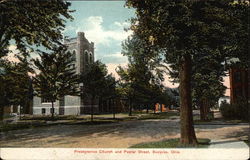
[[130, 108], [154, 109], [147, 109], [92, 109], [52, 112], [202, 113], [20, 112], [100, 105], [109, 103], [186, 115], [160, 107], [204, 109], [1, 113], [113, 107]]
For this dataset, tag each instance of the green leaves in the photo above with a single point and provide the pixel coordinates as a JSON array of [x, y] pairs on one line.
[[15, 83], [141, 79], [57, 75], [97, 82], [33, 23], [209, 31]]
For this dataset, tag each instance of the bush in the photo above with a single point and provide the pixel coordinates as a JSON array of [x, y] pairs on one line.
[[235, 111]]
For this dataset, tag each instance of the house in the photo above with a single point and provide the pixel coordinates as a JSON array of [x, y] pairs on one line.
[[224, 99], [161, 108], [239, 84], [83, 51]]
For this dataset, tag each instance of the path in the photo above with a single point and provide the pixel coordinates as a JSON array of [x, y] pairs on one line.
[[114, 135]]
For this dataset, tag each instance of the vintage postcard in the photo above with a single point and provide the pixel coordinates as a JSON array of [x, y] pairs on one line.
[[124, 80]]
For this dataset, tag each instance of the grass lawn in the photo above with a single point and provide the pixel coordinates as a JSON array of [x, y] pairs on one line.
[[236, 121], [172, 143], [45, 120], [121, 116], [7, 116], [9, 127], [48, 117], [41, 123], [163, 115], [247, 142]]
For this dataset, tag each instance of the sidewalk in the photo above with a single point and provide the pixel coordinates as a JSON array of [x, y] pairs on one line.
[[228, 143]]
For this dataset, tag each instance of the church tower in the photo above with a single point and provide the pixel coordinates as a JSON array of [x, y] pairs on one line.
[[83, 52]]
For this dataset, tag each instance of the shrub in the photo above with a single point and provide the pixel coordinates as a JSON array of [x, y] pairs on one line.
[[235, 111], [227, 110]]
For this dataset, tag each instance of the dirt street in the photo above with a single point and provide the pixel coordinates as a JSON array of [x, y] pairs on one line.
[[114, 135]]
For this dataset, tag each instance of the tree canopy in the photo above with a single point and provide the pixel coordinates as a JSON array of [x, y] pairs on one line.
[[184, 30], [15, 88], [97, 83], [35, 23], [142, 79], [56, 75]]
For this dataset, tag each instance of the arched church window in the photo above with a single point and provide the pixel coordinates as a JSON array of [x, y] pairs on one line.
[[86, 57], [90, 57]]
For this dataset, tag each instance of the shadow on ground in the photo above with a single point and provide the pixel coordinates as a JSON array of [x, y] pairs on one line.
[[61, 134]]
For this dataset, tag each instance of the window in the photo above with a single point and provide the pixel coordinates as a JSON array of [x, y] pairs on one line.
[[86, 57], [43, 110], [90, 58], [237, 77], [238, 92]]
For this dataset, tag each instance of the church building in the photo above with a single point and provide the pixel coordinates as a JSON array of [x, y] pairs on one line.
[[83, 51]]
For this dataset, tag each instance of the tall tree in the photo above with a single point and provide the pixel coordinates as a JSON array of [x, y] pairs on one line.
[[143, 74], [56, 76], [6, 86], [110, 92], [15, 85], [37, 23], [183, 29], [96, 83], [207, 81], [31, 24]]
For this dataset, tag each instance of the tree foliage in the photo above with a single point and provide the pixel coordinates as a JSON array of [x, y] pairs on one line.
[[185, 30], [26, 24], [15, 84], [56, 75], [97, 83], [141, 79]]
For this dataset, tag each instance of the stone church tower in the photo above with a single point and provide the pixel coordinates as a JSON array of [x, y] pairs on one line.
[[83, 51]]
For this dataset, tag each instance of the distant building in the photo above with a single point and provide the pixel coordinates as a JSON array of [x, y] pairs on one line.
[[224, 99], [161, 108], [83, 52], [239, 84]]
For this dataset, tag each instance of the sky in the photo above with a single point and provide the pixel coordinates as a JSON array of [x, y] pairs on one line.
[[103, 23]]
